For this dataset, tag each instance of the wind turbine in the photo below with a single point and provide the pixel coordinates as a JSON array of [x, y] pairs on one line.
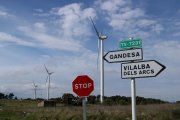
[[35, 88], [101, 38], [48, 78]]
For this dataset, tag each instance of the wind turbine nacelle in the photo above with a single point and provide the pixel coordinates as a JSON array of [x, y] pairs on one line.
[[103, 37]]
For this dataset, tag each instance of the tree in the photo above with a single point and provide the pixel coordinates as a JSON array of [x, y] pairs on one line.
[[92, 99], [2, 96], [15, 98], [10, 96], [68, 98]]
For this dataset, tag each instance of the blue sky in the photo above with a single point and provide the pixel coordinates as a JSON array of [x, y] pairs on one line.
[[59, 34]]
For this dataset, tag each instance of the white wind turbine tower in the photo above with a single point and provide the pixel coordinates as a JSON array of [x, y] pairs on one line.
[[35, 88], [49, 79], [101, 38]]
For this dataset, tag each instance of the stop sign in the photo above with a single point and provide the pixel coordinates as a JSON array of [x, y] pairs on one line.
[[83, 85]]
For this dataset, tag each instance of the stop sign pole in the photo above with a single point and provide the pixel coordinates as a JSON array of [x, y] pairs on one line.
[[83, 85]]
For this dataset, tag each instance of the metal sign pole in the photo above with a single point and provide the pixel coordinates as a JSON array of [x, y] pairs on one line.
[[133, 98], [133, 94], [84, 108]]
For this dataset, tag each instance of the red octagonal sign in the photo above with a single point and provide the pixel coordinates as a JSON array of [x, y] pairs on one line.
[[83, 85]]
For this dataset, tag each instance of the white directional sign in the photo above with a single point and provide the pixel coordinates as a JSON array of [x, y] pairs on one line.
[[123, 55], [141, 69]]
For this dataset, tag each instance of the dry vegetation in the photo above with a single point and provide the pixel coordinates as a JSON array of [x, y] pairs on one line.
[[27, 110]]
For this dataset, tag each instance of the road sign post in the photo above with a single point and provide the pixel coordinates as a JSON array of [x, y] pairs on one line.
[[133, 98], [84, 109], [123, 55], [142, 69], [125, 44], [132, 55], [133, 69], [83, 86]]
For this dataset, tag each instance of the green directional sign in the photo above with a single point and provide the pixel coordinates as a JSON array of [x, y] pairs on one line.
[[130, 43]]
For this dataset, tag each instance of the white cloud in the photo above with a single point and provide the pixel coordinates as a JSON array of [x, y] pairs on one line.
[[39, 10], [71, 28], [125, 20], [2, 13], [145, 22], [5, 37], [70, 32], [19, 78], [40, 27], [177, 23], [167, 50], [158, 28], [122, 16], [178, 12], [74, 20], [41, 13], [111, 5], [132, 14], [177, 34], [45, 40], [176, 26]]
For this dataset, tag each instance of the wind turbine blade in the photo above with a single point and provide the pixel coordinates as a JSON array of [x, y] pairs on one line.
[[51, 73], [95, 28], [46, 69]]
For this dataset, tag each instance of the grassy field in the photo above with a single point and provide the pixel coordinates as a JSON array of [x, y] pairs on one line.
[[28, 110]]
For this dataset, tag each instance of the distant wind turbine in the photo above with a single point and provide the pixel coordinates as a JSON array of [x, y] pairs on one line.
[[35, 88], [48, 78], [101, 38]]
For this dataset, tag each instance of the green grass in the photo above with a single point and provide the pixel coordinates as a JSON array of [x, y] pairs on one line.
[[28, 110]]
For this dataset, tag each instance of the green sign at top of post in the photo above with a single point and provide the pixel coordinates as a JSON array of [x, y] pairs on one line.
[[130, 43]]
